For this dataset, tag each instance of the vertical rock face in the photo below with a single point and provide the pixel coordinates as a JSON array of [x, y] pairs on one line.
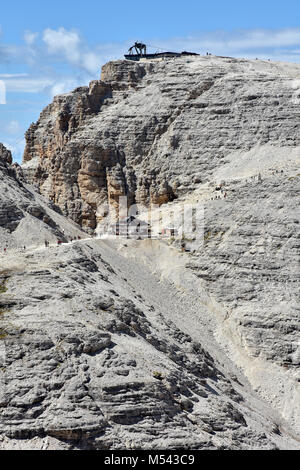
[[5, 154], [26, 218], [154, 131], [68, 181]]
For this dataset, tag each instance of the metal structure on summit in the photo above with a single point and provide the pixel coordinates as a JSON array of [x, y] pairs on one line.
[[141, 53], [139, 47]]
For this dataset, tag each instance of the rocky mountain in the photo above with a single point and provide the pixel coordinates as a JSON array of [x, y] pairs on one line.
[[154, 131], [116, 343], [26, 217]]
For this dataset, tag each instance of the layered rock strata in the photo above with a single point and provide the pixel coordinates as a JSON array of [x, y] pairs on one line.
[[155, 131]]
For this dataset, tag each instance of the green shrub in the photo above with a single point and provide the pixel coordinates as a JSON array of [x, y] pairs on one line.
[[3, 287], [157, 375], [3, 333]]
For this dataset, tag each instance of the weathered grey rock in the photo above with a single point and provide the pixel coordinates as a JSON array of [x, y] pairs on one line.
[[88, 363], [26, 217], [133, 344], [157, 130], [5, 154]]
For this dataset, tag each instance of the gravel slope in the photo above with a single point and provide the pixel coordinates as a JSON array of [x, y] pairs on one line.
[[102, 348]]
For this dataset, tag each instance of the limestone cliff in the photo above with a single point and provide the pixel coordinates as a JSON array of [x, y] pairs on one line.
[[153, 131], [26, 218], [5, 155]]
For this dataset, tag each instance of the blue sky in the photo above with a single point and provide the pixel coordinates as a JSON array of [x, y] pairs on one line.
[[48, 48]]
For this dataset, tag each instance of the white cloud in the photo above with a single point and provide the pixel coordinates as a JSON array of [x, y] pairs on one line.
[[69, 46], [12, 75], [63, 86], [241, 43], [63, 42], [12, 128], [30, 37], [2, 92], [90, 62], [16, 148], [28, 84]]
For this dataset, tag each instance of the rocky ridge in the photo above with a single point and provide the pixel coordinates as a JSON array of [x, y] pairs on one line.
[[26, 217], [155, 131]]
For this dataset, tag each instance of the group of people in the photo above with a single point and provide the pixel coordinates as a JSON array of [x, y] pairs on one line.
[[22, 248], [60, 242], [219, 196], [222, 192], [47, 244], [253, 177]]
